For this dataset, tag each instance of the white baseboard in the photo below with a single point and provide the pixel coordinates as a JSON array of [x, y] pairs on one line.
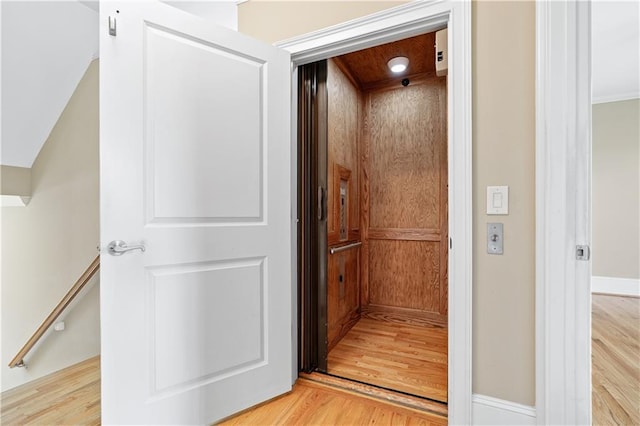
[[619, 286], [493, 411]]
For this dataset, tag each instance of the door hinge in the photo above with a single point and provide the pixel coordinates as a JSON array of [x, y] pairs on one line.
[[112, 26], [583, 252]]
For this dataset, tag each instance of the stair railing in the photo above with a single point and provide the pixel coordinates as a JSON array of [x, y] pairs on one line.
[[18, 360]]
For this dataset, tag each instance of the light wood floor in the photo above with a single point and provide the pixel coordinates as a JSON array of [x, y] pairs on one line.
[[400, 356], [67, 397], [72, 396], [312, 403], [615, 346]]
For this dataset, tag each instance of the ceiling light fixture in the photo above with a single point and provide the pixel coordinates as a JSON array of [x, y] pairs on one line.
[[398, 64]]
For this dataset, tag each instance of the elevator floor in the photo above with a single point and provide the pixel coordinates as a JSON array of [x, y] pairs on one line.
[[405, 357]]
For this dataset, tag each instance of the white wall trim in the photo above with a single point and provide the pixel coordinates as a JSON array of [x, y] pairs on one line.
[[616, 286], [14, 200], [563, 147], [395, 24], [618, 97], [389, 25], [493, 411]]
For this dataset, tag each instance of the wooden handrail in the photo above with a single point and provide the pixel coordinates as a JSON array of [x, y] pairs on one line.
[[18, 360]]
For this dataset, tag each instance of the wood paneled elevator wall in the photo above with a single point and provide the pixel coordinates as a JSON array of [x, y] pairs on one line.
[[387, 155], [404, 203], [343, 136]]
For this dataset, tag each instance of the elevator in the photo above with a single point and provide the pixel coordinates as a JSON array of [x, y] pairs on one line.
[[374, 230]]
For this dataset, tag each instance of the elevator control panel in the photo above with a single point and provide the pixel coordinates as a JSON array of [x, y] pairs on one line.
[[495, 236], [343, 210]]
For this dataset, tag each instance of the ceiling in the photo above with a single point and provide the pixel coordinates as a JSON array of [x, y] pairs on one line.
[[615, 50], [47, 46], [46, 49], [369, 67], [615, 54]]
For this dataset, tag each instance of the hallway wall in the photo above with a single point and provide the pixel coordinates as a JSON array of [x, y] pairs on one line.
[[616, 189], [503, 43], [49, 243]]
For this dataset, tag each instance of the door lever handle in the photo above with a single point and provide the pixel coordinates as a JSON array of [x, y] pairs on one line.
[[118, 247]]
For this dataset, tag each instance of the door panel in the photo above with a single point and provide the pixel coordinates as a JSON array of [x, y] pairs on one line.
[[219, 296], [195, 160], [343, 304], [405, 274], [200, 146]]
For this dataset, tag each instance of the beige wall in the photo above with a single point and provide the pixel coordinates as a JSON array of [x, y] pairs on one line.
[[503, 154], [48, 244], [616, 189], [15, 180], [274, 21]]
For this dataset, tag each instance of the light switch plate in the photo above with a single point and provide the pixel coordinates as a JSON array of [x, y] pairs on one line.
[[497, 200], [495, 237]]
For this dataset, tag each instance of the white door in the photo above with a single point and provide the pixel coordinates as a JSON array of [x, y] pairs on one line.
[[195, 165]]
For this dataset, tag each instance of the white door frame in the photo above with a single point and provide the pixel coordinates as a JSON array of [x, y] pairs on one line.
[[387, 26], [563, 162]]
